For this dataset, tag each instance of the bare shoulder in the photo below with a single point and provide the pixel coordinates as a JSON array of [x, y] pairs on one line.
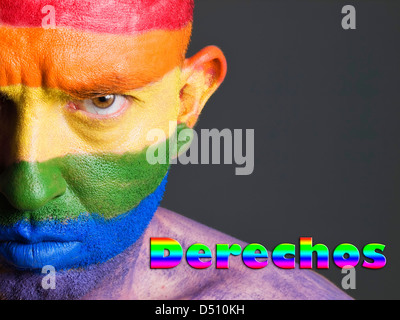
[[237, 282]]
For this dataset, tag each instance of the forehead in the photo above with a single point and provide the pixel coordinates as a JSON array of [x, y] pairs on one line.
[[77, 62], [104, 16], [114, 45]]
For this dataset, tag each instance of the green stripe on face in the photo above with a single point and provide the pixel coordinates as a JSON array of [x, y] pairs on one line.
[[64, 188]]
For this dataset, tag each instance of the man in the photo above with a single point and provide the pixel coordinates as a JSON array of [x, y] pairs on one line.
[[82, 83]]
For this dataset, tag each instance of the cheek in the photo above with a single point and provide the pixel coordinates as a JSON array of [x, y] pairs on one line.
[[128, 134], [112, 184]]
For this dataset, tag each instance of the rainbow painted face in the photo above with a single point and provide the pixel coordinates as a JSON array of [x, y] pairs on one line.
[[76, 104]]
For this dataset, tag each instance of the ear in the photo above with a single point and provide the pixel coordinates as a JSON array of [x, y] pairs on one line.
[[202, 74]]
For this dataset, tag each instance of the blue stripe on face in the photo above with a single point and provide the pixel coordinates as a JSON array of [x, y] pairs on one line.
[[80, 242]]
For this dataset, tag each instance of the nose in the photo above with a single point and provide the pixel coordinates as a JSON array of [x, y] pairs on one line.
[[29, 186]]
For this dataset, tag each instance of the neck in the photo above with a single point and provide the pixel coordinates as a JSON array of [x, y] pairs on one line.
[[117, 283]]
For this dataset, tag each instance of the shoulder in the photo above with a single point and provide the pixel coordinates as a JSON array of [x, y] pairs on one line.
[[237, 282]]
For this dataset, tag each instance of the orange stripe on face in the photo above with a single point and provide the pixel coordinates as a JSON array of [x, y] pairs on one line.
[[83, 64]]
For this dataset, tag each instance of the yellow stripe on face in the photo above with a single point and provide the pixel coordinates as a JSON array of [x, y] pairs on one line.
[[44, 128]]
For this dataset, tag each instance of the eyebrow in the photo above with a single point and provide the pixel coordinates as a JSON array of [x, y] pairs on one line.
[[101, 89], [109, 82]]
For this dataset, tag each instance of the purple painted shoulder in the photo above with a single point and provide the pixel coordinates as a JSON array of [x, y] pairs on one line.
[[236, 282]]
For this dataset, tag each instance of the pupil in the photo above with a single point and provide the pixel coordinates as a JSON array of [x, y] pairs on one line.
[[104, 99]]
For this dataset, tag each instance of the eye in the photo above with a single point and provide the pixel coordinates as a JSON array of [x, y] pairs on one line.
[[104, 105]]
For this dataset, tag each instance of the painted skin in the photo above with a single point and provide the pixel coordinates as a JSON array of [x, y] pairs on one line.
[[63, 158], [184, 282]]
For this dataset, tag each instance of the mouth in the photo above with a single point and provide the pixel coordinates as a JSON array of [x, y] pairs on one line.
[[34, 256], [28, 247]]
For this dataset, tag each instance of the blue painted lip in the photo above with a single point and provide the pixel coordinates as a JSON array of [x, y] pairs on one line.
[[29, 246], [35, 256]]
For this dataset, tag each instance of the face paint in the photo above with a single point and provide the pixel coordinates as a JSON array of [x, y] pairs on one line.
[[100, 64], [76, 187], [83, 241], [71, 284], [43, 118], [111, 16]]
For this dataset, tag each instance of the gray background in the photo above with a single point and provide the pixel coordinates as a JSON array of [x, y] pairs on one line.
[[324, 103]]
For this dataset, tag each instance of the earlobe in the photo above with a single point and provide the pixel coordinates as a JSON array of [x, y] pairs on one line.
[[202, 74]]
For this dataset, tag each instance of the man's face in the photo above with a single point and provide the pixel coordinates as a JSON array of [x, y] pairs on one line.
[[75, 110], [81, 136]]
